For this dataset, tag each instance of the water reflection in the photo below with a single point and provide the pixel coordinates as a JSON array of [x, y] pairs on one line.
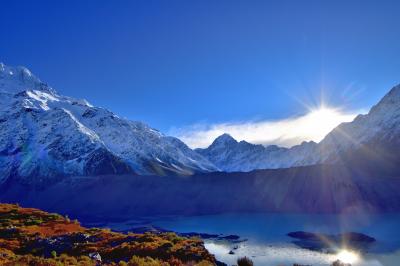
[[273, 255], [269, 244]]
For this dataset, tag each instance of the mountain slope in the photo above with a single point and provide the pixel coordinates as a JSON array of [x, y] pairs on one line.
[[381, 126], [374, 136], [307, 189], [45, 135]]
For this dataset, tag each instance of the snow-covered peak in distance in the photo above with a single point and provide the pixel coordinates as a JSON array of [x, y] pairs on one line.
[[380, 128], [47, 136], [224, 140], [230, 155]]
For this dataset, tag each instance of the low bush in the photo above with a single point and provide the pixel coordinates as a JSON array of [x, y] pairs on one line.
[[245, 261]]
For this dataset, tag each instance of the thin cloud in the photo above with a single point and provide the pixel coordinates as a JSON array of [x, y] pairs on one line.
[[287, 132]]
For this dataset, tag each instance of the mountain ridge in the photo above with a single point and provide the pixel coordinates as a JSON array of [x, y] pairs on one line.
[[380, 124], [46, 135]]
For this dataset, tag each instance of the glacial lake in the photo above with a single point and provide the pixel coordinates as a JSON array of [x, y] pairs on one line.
[[267, 243]]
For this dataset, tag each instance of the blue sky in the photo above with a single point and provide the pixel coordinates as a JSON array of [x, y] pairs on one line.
[[175, 64]]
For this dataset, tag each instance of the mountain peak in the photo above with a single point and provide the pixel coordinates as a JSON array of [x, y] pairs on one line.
[[224, 139], [16, 79], [394, 93], [388, 105], [76, 138], [18, 71]]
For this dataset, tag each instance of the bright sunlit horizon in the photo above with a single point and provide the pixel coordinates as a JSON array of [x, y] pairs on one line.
[[311, 126]]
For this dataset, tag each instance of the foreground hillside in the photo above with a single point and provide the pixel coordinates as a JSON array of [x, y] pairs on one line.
[[34, 237]]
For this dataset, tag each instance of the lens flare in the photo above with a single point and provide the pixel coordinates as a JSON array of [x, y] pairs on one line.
[[347, 256]]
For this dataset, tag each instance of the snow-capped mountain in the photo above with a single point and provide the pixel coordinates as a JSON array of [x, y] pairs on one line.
[[46, 135], [376, 134], [232, 156], [380, 127]]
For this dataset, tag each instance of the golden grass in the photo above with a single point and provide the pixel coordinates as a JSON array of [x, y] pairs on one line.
[[30, 236]]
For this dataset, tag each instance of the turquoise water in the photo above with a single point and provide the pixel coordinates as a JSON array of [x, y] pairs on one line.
[[268, 244]]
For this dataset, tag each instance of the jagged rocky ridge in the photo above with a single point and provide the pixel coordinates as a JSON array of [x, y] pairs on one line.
[[45, 136], [374, 136]]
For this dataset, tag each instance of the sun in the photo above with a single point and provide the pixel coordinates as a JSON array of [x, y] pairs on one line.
[[325, 119], [324, 112], [322, 120], [347, 256]]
